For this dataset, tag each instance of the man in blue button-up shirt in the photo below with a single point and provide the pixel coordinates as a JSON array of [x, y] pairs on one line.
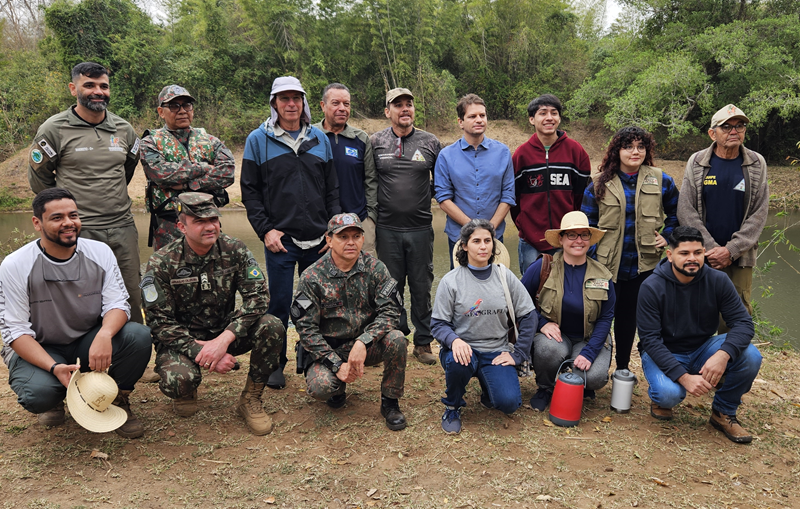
[[474, 177]]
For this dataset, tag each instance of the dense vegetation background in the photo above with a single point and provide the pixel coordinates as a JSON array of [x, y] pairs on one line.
[[665, 65]]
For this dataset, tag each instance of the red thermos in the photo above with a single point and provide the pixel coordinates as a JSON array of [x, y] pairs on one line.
[[567, 402]]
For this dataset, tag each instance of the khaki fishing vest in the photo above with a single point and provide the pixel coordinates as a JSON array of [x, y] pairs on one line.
[[595, 292], [649, 219]]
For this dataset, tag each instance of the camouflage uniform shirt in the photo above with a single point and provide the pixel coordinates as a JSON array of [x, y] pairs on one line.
[[360, 304], [188, 297]]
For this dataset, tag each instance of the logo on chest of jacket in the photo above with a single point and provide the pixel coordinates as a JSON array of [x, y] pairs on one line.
[[113, 144], [183, 272], [536, 180], [350, 151]]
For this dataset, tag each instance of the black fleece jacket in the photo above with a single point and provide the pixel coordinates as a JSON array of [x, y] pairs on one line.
[[676, 318]]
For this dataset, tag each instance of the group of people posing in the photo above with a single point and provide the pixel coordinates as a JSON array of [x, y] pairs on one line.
[[351, 214]]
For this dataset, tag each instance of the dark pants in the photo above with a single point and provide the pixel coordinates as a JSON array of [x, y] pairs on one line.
[[38, 391], [181, 375], [625, 317], [410, 255], [501, 383], [391, 350], [548, 354], [280, 273]]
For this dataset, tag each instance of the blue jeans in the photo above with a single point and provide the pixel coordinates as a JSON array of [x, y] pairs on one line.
[[453, 246], [501, 383], [280, 272], [528, 254], [739, 376]]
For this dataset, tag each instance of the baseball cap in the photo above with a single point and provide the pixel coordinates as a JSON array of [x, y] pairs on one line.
[[340, 222], [170, 92], [394, 93], [197, 205], [727, 113]]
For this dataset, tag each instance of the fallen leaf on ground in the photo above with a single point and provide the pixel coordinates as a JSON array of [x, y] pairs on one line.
[[269, 500], [404, 491], [607, 418], [734, 476], [99, 455], [544, 498], [547, 422], [400, 455], [659, 482], [372, 492], [777, 393], [790, 435]]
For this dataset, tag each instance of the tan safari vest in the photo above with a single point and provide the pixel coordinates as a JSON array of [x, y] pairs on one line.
[[595, 292], [649, 219]]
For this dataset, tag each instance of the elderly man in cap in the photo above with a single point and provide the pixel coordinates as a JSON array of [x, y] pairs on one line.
[[189, 293], [405, 158], [346, 311], [178, 158], [290, 191], [63, 303], [725, 195]]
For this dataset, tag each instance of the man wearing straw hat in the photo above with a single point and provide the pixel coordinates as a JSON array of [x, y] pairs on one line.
[[474, 177], [62, 299], [576, 309], [189, 293]]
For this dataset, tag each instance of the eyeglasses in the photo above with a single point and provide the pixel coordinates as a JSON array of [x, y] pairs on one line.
[[574, 235], [634, 148], [176, 107], [726, 128]]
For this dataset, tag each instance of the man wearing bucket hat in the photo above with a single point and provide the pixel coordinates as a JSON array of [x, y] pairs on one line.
[[178, 158], [725, 195], [290, 191], [681, 352], [576, 308], [405, 158], [189, 293], [63, 299], [346, 311]]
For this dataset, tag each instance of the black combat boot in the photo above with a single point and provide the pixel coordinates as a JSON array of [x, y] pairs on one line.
[[390, 410]]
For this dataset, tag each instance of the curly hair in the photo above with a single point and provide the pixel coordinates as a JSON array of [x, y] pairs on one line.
[[466, 232], [611, 163]]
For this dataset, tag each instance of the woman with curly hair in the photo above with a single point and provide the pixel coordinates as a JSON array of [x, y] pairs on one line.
[[637, 206]]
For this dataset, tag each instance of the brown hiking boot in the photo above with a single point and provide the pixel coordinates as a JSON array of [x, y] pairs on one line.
[[133, 427], [729, 425], [186, 406], [424, 354], [150, 376], [660, 413], [251, 408], [54, 417]]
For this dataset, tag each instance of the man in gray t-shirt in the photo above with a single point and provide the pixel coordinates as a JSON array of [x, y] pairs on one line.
[[405, 158]]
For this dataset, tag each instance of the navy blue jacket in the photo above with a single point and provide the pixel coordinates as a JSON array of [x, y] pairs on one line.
[[677, 318], [295, 193]]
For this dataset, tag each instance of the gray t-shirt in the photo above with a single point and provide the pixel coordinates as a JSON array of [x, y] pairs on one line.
[[477, 309]]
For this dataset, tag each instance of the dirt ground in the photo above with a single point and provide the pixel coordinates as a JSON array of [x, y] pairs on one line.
[[346, 459]]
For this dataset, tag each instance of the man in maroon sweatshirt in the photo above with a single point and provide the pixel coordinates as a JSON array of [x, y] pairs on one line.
[[551, 171]]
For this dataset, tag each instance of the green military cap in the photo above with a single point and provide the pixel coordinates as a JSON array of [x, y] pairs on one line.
[[394, 93], [197, 205], [170, 92], [341, 221]]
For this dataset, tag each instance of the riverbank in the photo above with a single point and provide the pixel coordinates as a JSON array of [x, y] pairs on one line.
[[15, 193]]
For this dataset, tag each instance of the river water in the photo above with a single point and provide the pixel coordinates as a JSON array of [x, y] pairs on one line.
[[782, 280]]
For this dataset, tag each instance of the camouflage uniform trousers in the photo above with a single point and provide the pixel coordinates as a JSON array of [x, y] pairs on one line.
[[166, 232], [181, 375], [391, 350]]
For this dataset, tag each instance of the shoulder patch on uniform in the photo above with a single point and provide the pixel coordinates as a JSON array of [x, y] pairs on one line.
[[36, 156], [253, 272], [601, 284], [147, 280], [47, 148], [183, 281], [300, 305], [251, 262], [183, 272], [135, 147], [650, 180], [387, 289]]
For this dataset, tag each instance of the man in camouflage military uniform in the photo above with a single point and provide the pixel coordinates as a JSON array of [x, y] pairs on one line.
[[180, 158], [346, 311], [189, 292]]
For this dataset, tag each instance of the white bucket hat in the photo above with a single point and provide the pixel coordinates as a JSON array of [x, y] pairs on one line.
[[575, 220], [89, 398], [282, 84]]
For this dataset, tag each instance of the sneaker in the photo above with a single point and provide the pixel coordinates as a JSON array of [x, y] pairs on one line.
[[337, 401], [660, 413], [589, 394], [390, 410], [424, 354], [54, 417], [451, 420], [541, 399], [486, 401], [729, 425]]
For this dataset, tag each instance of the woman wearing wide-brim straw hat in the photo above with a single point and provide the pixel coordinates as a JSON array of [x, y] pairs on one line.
[[576, 310], [637, 205]]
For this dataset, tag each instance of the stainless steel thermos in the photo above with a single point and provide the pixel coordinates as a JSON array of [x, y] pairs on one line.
[[622, 391]]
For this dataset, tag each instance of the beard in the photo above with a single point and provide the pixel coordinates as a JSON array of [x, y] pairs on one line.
[[86, 102], [57, 238], [685, 272]]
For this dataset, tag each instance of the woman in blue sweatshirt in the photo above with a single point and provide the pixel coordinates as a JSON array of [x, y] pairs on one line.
[[576, 310]]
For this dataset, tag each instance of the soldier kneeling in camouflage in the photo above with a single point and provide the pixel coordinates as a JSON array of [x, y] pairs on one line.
[[347, 310], [189, 295]]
